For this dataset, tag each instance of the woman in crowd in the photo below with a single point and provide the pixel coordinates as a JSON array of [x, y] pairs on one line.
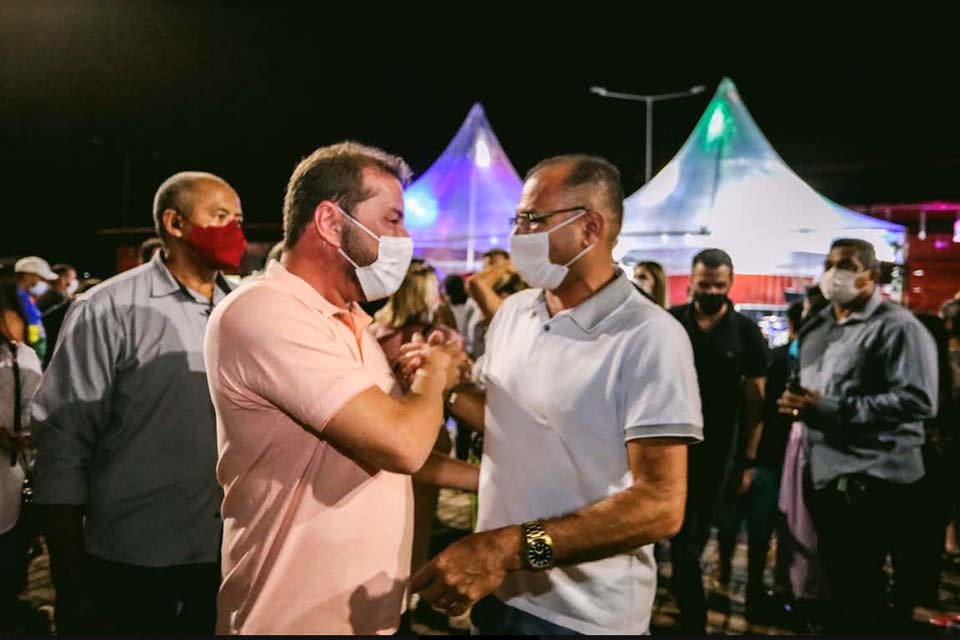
[[650, 278], [19, 378], [416, 308]]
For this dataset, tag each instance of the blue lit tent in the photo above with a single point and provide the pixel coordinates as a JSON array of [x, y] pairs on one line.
[[460, 207], [727, 187]]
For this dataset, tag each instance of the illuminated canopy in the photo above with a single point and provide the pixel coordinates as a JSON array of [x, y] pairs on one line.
[[728, 188], [460, 207]]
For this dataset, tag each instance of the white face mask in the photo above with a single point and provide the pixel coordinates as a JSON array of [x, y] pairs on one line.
[[530, 254], [39, 289], [838, 285], [381, 278], [73, 286]]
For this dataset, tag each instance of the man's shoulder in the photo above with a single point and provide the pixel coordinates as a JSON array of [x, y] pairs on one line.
[[645, 325], [746, 324], [120, 284], [519, 301], [252, 291], [255, 301], [113, 294], [892, 313], [742, 320], [896, 319], [639, 311], [679, 311]]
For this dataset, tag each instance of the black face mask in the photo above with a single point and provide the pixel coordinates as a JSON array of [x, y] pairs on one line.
[[710, 303]]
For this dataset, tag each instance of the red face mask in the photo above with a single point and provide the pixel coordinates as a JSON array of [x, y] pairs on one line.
[[218, 247]]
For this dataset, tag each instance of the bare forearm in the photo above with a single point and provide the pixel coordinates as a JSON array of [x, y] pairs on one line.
[[620, 523], [753, 416], [754, 434], [423, 410], [443, 471], [469, 407]]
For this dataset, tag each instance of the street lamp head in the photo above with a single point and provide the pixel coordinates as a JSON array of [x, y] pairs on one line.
[[698, 89], [600, 91]]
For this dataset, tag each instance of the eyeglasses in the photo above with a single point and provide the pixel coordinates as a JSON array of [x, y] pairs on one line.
[[527, 219]]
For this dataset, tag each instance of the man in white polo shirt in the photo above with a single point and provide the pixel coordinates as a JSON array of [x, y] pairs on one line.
[[587, 396]]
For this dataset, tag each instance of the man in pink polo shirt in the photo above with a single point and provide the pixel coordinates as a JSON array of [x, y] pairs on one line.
[[316, 444]]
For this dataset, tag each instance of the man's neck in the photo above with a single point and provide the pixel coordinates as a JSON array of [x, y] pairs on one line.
[[190, 272], [325, 281], [859, 304], [570, 295]]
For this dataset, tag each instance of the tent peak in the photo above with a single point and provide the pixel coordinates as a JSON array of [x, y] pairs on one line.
[[477, 110], [728, 187]]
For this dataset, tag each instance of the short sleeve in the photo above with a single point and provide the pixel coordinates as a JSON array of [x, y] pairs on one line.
[[479, 373], [756, 353], [291, 358], [74, 402], [658, 383]]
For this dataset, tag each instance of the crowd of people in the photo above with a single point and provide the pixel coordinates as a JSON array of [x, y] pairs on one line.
[[266, 459]]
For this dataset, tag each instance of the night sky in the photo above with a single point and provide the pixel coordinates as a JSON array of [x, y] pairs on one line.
[[100, 101]]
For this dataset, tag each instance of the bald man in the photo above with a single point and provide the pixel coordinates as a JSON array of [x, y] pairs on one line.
[[587, 397], [126, 434]]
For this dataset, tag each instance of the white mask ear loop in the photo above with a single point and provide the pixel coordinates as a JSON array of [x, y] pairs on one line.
[[358, 223], [565, 223], [579, 255], [568, 221]]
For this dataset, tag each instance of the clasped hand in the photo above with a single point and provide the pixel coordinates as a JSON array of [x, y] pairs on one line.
[[445, 349], [794, 404]]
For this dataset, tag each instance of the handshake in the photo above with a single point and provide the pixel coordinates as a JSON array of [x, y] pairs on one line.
[[442, 351]]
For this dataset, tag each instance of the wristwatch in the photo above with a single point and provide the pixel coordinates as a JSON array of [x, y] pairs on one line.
[[452, 399], [537, 546]]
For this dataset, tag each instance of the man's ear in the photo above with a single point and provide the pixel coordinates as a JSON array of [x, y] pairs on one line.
[[596, 224], [172, 223], [328, 223]]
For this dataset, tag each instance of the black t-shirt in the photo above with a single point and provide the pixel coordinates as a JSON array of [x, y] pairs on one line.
[[776, 426], [730, 353]]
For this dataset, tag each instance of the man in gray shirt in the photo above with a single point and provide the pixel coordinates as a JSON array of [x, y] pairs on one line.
[[126, 433], [868, 372]]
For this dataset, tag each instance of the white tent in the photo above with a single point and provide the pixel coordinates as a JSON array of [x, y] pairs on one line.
[[728, 188], [461, 206]]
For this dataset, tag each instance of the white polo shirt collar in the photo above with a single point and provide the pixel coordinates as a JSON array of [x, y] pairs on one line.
[[589, 313]]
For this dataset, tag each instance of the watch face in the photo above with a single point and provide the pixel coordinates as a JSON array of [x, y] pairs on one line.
[[540, 555]]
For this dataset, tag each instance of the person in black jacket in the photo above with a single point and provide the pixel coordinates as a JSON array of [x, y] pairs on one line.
[[730, 354], [758, 506]]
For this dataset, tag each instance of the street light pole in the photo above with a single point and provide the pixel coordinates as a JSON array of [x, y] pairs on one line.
[[648, 100], [648, 165]]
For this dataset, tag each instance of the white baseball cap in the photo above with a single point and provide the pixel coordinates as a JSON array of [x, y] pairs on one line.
[[37, 266]]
